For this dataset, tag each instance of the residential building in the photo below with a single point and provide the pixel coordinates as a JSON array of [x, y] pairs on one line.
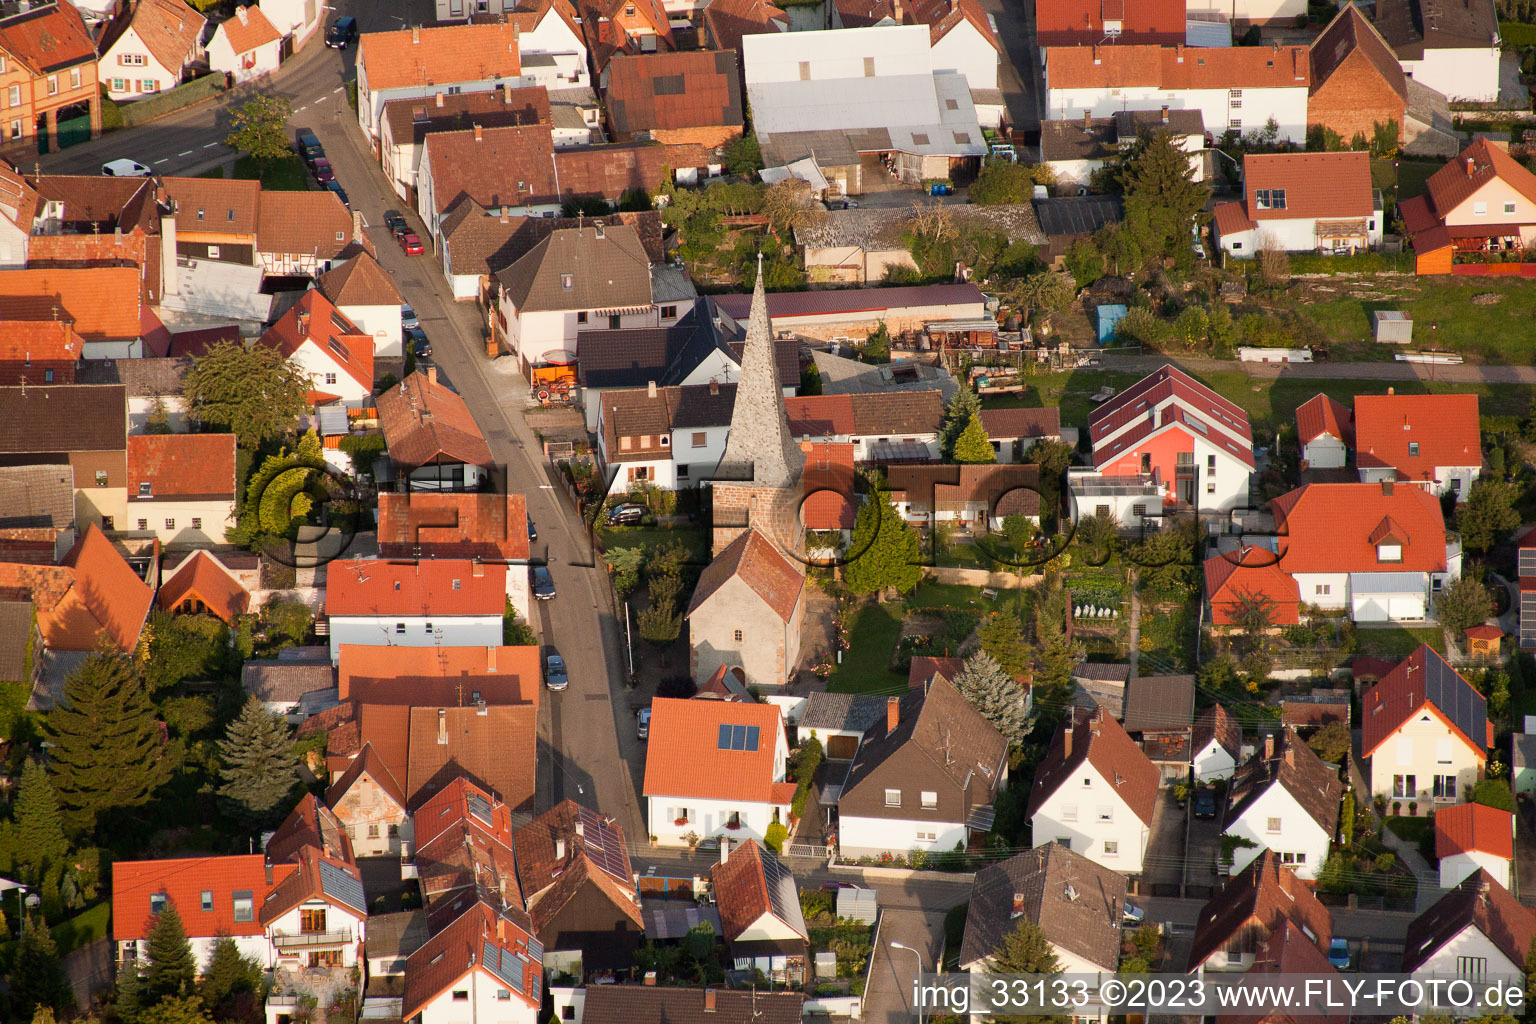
[[667, 1004], [1477, 932], [1288, 951], [245, 47], [215, 219], [616, 26], [1431, 441], [1257, 903], [510, 169], [574, 872], [1454, 51], [1308, 712], [486, 959], [928, 737], [746, 613], [336, 353], [49, 76], [405, 124], [1091, 22], [643, 93], [82, 426], [1425, 730], [1159, 705], [894, 100], [760, 917], [1076, 150], [1302, 202], [416, 63], [830, 497], [551, 43], [38, 352], [315, 918], [853, 313], [462, 845], [215, 896], [438, 676], [1474, 837], [298, 679], [1325, 429], [716, 768], [668, 438], [1235, 579], [182, 487], [202, 584], [889, 428], [1166, 443], [101, 304], [1099, 685], [478, 242], [1378, 550], [148, 48], [1095, 791], [726, 21], [93, 598], [363, 293], [37, 514], [1357, 82], [973, 498], [483, 527], [1216, 744], [304, 234], [1482, 201], [573, 279], [1235, 88], [369, 803], [152, 384], [1076, 903], [433, 441], [610, 172], [434, 602], [840, 720], [297, 20], [1283, 799]]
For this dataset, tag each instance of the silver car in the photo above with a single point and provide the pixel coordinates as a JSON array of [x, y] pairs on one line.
[[554, 671]]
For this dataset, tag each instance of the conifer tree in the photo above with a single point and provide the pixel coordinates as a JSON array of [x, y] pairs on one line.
[[39, 831], [129, 997], [957, 416], [229, 973], [884, 551], [990, 690], [1002, 636], [1161, 194], [106, 746], [260, 768], [972, 446], [1025, 950], [169, 968], [36, 978]]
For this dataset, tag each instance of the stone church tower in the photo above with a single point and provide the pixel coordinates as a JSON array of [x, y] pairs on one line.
[[758, 483]]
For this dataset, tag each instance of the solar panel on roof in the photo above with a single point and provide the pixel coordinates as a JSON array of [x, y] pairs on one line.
[[535, 948], [504, 965], [783, 893], [1528, 561], [340, 885], [738, 737], [480, 807]]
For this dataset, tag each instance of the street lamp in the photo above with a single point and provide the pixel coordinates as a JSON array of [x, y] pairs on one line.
[[917, 989]]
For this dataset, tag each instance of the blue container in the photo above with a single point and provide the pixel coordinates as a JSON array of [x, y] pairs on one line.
[[1109, 319]]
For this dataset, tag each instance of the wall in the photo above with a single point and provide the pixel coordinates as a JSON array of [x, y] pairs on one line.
[[1227, 488], [1299, 833], [1461, 74], [200, 523], [1415, 750], [132, 77], [707, 818], [1458, 866], [1493, 196], [366, 804], [93, 500], [352, 931], [966, 51], [692, 464], [1354, 99], [1470, 942], [1323, 589], [321, 367], [1072, 813], [870, 837], [1213, 762], [371, 631], [383, 322], [1287, 106], [482, 1006], [851, 264], [245, 67], [768, 648]]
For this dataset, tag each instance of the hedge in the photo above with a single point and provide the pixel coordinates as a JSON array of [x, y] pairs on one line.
[[161, 103], [1516, 34], [1360, 263]]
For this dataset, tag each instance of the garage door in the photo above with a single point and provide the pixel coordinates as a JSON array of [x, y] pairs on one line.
[[1403, 608], [842, 748], [1370, 608]]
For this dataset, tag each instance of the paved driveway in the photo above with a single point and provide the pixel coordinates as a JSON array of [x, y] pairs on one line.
[[1018, 71], [888, 997], [1164, 864], [1200, 879]]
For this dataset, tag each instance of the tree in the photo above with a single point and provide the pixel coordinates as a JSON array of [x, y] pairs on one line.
[[993, 693], [1084, 262], [129, 997], [1274, 261], [183, 647], [1053, 457], [1493, 793], [1025, 950], [36, 978], [106, 752], [884, 552], [1463, 604], [260, 768], [877, 345], [256, 393], [1165, 560], [972, 445], [1045, 293], [159, 419], [259, 127], [699, 941], [169, 967], [514, 631], [743, 156], [228, 974], [1488, 514], [39, 831], [957, 416], [184, 1010], [1331, 742], [1002, 182], [661, 622], [1002, 638], [1161, 194], [1384, 139], [788, 204]]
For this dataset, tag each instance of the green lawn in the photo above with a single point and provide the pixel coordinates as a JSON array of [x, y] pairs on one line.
[[286, 175], [648, 537], [1482, 331], [1397, 642], [1413, 829], [866, 666], [85, 927]]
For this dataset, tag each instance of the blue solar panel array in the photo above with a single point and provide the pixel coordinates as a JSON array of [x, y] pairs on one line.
[[340, 885], [738, 737], [505, 965], [1457, 700]]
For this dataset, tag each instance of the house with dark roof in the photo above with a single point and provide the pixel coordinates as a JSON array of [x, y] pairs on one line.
[[885, 428], [1308, 712], [456, 165], [1474, 837], [304, 234], [666, 437], [333, 350], [1302, 202], [1325, 429], [1430, 441], [181, 487], [297, 680], [1216, 744], [1094, 792], [478, 242], [1284, 799], [1452, 49], [760, 918], [1288, 951], [1076, 903], [1076, 149], [370, 803], [1480, 920], [746, 613], [215, 219], [726, 21], [1255, 904], [691, 97], [462, 848], [925, 777], [1425, 730], [1013, 431], [1483, 200], [574, 872], [84, 427], [679, 1004], [1357, 82], [363, 293], [433, 441], [37, 513]]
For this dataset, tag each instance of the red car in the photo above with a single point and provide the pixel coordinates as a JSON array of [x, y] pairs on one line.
[[411, 244], [323, 172]]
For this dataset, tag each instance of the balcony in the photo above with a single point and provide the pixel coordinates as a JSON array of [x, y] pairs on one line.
[[302, 940]]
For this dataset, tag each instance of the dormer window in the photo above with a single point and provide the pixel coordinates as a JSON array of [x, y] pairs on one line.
[[199, 213], [666, 440], [624, 443], [145, 489], [1389, 551]]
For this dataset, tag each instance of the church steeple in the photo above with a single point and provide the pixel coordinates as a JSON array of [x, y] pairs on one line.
[[759, 447]]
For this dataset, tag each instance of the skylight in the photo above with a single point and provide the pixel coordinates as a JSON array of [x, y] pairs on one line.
[[738, 737]]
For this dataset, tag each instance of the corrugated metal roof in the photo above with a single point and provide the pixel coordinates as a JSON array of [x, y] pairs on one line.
[[1386, 583]]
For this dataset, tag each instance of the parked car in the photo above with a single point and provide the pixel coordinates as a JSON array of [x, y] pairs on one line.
[[335, 186], [411, 243], [533, 531], [408, 317], [626, 515], [543, 584], [125, 169], [1205, 803], [554, 671], [1131, 915], [420, 345], [1338, 953], [643, 724], [343, 31], [322, 168], [309, 147], [395, 221]]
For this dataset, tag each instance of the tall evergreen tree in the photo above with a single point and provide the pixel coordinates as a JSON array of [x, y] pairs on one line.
[[1002, 637], [128, 1000], [993, 693], [228, 974], [1025, 950], [1161, 194], [260, 768], [105, 743], [884, 551], [972, 446], [36, 978], [957, 416], [39, 830], [170, 967]]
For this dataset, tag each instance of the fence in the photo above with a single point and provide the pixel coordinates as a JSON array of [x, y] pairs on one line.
[[1493, 270], [162, 103]]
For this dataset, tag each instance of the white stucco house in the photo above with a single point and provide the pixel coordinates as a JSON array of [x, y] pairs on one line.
[[147, 49], [1302, 202], [1325, 429], [1453, 50], [363, 293], [717, 769], [667, 437], [336, 353], [1216, 744], [447, 602], [1094, 792], [1075, 150], [297, 20], [1474, 837], [246, 46], [1430, 441], [1426, 731], [1284, 799], [181, 487], [483, 968], [1476, 932]]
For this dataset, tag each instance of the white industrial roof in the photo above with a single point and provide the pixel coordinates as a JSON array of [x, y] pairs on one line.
[[836, 54], [1386, 583]]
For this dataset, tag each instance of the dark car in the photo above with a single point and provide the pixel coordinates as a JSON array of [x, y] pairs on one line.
[[554, 671], [421, 346], [343, 31], [1205, 803], [626, 515], [411, 243], [322, 169], [415, 337], [543, 584], [395, 221], [341, 193], [533, 531], [309, 147]]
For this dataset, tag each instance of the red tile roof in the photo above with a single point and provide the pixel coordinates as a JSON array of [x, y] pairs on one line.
[[169, 28], [313, 824], [1231, 219], [510, 166], [181, 466], [463, 947], [183, 880], [341, 887], [1178, 396], [202, 579], [214, 206], [924, 667], [1255, 572], [425, 422], [1425, 682], [664, 91], [685, 758], [1474, 828], [610, 171], [248, 29], [944, 16], [1321, 415], [440, 676], [1474, 167], [1316, 185], [749, 884], [1351, 32], [494, 746], [490, 527], [307, 225], [820, 415], [38, 341], [447, 586], [591, 849], [1100, 741], [1485, 632], [315, 321], [1327, 528], [729, 20], [47, 38], [1442, 429], [1177, 68], [439, 56], [463, 840], [1081, 22], [94, 592], [765, 570], [1257, 903], [828, 486], [101, 302]]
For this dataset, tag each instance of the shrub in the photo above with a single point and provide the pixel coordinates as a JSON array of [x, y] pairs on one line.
[[774, 837]]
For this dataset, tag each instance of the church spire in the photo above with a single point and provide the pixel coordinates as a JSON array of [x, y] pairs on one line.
[[759, 447]]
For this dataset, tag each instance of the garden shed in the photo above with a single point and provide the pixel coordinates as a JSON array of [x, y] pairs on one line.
[[1391, 326], [1109, 319]]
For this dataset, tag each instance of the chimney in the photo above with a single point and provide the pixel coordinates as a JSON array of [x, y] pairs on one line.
[[245, 18], [477, 569], [442, 727], [415, 34], [1386, 488], [1165, 113], [439, 100], [506, 92], [303, 321], [892, 713], [1289, 754], [117, 236], [725, 849], [1087, 121], [1269, 746], [581, 829], [269, 872], [650, 389], [357, 226], [1066, 735], [479, 134], [714, 387], [709, 1000], [432, 374], [650, 977], [1469, 167], [559, 849], [490, 659]]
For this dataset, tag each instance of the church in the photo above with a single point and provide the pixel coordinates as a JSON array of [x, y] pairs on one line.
[[749, 605]]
